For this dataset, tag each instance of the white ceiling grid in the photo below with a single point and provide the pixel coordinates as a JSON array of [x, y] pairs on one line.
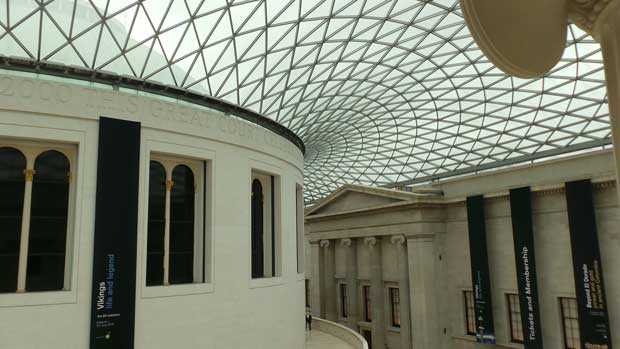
[[381, 91]]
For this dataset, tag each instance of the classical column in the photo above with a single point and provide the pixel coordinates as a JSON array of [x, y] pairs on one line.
[[169, 184], [317, 289], [403, 284], [331, 311], [607, 32], [376, 292], [421, 260], [25, 233], [351, 279]]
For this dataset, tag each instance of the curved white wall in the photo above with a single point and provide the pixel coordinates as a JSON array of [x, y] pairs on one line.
[[231, 310]]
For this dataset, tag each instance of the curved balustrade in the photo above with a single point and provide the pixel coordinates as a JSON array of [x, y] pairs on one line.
[[341, 332]]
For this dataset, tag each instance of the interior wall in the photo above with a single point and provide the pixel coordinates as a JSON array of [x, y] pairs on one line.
[[451, 246], [231, 311], [553, 259]]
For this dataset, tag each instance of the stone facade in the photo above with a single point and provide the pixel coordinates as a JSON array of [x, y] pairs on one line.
[[419, 243]]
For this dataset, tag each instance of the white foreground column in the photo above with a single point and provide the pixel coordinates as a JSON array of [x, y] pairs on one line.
[[25, 233], [607, 31]]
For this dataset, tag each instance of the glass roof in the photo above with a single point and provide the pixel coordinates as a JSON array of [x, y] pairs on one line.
[[381, 91]]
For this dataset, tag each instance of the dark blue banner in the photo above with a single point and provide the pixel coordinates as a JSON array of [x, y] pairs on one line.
[[587, 267], [116, 221], [485, 330], [525, 261]]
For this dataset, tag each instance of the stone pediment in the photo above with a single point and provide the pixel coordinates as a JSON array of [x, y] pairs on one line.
[[356, 197]]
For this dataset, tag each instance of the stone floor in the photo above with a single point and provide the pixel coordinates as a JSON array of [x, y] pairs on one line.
[[321, 340]]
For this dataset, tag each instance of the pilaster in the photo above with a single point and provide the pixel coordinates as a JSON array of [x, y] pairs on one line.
[[349, 246], [329, 297], [317, 290], [421, 264], [403, 284], [376, 292]]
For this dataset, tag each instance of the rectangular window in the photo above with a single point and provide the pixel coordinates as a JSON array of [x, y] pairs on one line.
[[35, 182], [307, 293], [395, 306], [265, 213], [470, 321], [176, 221], [299, 219], [367, 303], [344, 312], [514, 317], [570, 323]]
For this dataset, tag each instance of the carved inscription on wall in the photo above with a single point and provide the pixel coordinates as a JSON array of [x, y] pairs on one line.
[[91, 102]]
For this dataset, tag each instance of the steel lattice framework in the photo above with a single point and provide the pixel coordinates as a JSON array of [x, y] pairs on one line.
[[383, 92]]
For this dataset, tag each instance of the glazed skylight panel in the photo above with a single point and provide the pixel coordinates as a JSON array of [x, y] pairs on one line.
[[382, 92]]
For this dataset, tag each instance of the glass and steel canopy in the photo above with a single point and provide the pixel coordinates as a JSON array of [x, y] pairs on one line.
[[382, 92]]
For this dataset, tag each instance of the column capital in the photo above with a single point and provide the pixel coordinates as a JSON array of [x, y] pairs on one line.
[[586, 13], [345, 242], [398, 239], [370, 242], [324, 243], [29, 174]]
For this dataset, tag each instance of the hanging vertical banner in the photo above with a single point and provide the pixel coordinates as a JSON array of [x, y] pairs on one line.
[[116, 222], [589, 286], [485, 330], [525, 261]]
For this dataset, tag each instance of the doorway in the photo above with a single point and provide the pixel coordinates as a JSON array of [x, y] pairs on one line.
[[367, 334]]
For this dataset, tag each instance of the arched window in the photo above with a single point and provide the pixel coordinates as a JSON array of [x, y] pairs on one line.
[[48, 222], [175, 242], [156, 224], [257, 230], [12, 183], [182, 202]]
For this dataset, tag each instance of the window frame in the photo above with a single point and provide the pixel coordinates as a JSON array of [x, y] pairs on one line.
[[393, 306], [267, 169], [73, 143], [299, 227], [198, 168], [564, 318], [152, 144], [307, 294], [469, 309], [367, 302], [510, 302], [31, 150], [343, 299]]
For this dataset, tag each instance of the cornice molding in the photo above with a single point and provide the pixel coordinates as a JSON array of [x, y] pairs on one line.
[[399, 206], [421, 238]]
